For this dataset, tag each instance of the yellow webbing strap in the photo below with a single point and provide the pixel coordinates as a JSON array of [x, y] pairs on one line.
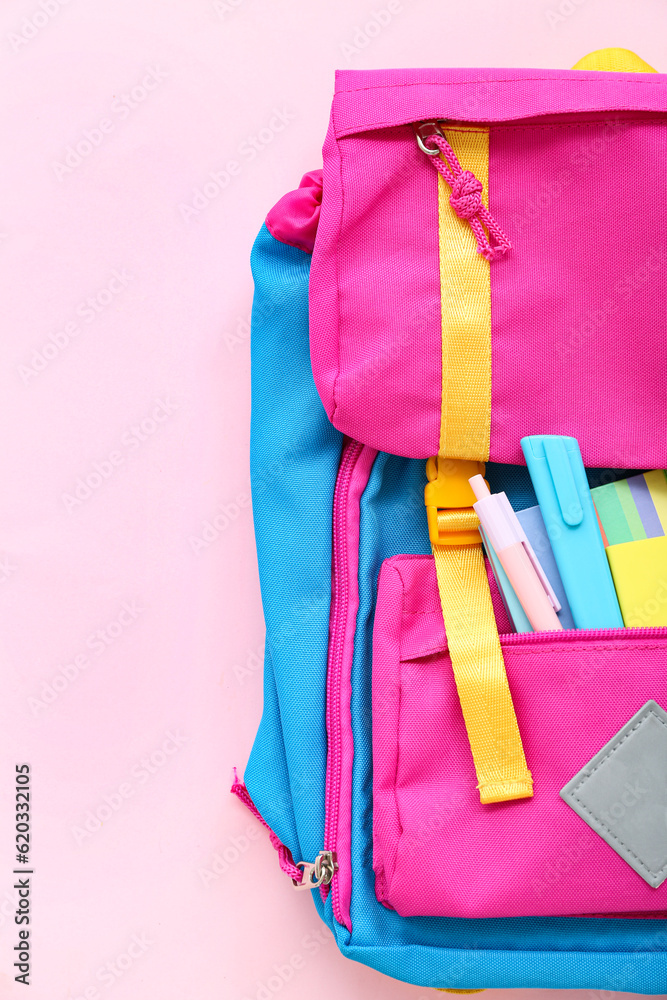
[[465, 303], [479, 670], [472, 634]]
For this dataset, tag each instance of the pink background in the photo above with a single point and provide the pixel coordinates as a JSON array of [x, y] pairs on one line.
[[124, 617]]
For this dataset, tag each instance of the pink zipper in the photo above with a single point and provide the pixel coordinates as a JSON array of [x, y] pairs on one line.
[[337, 626], [324, 872], [355, 467]]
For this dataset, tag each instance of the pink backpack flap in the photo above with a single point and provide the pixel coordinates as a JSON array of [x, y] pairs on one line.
[[576, 181]]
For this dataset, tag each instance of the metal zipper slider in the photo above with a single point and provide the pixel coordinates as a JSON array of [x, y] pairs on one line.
[[422, 131], [317, 873]]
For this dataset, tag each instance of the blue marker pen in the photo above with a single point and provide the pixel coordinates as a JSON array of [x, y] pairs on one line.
[[560, 483]]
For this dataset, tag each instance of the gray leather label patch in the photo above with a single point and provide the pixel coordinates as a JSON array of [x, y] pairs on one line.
[[622, 793]]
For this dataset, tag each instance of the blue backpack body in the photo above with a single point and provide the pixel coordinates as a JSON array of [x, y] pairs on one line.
[[295, 458]]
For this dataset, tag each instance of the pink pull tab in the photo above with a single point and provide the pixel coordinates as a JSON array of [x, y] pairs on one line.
[[284, 854], [466, 199]]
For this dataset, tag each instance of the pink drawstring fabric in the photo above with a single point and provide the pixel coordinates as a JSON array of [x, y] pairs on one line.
[[285, 858], [466, 200]]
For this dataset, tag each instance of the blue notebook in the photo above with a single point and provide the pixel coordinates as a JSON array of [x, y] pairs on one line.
[[533, 524]]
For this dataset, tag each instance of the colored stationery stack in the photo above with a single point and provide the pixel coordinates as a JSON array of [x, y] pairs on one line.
[[633, 518]]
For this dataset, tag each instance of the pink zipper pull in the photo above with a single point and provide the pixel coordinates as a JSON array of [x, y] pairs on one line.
[[285, 858], [304, 874], [466, 196]]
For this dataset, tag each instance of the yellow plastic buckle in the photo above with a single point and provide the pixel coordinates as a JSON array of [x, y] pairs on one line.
[[448, 489]]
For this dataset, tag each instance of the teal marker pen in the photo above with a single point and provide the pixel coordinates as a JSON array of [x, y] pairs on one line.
[[559, 479]]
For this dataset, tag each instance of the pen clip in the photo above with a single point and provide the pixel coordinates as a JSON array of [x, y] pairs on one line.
[[565, 486], [523, 538]]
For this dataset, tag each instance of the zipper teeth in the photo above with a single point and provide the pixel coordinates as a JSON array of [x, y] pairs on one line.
[[583, 635], [339, 597]]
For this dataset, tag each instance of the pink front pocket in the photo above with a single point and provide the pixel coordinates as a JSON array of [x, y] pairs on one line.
[[437, 850]]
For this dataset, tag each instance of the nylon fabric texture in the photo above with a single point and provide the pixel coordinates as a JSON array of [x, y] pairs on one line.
[[528, 952], [614, 61], [295, 450], [585, 276], [437, 850], [293, 464]]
